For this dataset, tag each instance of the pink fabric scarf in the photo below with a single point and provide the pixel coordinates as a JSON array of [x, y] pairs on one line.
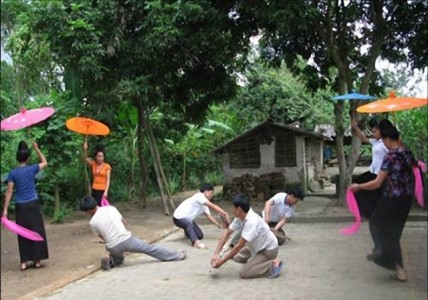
[[353, 208], [419, 190], [104, 201], [22, 231]]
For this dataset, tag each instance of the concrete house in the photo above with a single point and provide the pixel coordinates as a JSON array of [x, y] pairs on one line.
[[274, 148]]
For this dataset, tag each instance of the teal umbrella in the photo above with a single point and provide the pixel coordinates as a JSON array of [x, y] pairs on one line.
[[354, 96]]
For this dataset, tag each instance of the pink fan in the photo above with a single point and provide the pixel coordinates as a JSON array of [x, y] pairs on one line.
[[104, 202], [353, 208], [419, 190], [22, 231]]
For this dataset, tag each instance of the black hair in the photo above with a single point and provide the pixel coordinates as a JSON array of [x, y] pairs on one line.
[[373, 123], [206, 187], [23, 152], [242, 202], [296, 192], [387, 130], [88, 203], [99, 149]]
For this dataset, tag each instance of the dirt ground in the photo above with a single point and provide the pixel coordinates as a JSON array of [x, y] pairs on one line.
[[74, 251]]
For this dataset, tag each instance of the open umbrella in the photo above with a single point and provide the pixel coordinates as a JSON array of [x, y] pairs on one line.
[[26, 118], [354, 96], [87, 126], [392, 103]]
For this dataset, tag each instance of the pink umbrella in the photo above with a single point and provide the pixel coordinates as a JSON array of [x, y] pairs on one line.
[[22, 231], [26, 118]]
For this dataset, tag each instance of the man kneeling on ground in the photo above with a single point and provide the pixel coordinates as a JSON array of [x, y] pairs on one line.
[[107, 222], [279, 209], [257, 247]]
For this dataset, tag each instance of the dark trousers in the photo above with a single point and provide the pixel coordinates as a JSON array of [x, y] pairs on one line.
[[29, 216], [389, 219], [191, 229], [367, 202], [98, 195]]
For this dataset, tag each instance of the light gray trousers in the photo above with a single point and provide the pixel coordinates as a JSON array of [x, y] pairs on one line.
[[260, 265], [136, 245]]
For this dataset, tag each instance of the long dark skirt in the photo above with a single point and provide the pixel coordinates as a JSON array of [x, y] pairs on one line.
[[367, 200], [29, 216], [389, 219], [98, 195]]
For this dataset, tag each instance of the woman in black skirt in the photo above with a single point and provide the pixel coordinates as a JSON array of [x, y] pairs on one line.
[[27, 205], [389, 216], [367, 200]]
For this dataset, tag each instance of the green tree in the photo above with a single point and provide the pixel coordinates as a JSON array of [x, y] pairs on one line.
[[348, 36], [153, 54], [277, 94]]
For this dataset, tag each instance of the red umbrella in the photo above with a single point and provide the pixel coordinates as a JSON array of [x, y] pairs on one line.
[[26, 118], [392, 103], [87, 126]]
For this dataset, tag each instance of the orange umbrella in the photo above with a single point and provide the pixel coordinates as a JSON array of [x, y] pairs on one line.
[[87, 126], [392, 103]]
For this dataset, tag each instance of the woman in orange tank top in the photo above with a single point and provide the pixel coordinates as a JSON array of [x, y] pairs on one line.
[[100, 173]]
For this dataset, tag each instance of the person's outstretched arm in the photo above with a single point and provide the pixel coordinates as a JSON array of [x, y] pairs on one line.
[[107, 183], [358, 132], [8, 197], [268, 206], [217, 262], [222, 241], [281, 223], [213, 220], [85, 153], [43, 162], [222, 213]]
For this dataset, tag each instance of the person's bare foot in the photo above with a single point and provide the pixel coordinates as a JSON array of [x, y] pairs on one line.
[[105, 263], [399, 274], [200, 245], [276, 262], [183, 254]]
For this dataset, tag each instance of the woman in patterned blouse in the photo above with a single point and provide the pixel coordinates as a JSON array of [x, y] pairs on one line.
[[388, 218]]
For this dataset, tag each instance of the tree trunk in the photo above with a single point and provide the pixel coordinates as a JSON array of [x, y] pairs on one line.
[[160, 167], [132, 147], [56, 203], [87, 180], [343, 181], [184, 173], [155, 163], [140, 143]]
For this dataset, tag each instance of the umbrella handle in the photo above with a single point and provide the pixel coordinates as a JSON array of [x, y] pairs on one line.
[[86, 138]]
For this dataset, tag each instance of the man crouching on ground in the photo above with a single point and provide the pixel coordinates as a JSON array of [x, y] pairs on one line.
[[107, 222], [260, 253]]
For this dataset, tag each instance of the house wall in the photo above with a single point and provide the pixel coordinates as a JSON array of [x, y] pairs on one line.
[[267, 164]]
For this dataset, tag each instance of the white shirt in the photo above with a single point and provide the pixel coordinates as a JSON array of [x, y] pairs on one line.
[[192, 207], [256, 232], [378, 152], [279, 208], [107, 222]]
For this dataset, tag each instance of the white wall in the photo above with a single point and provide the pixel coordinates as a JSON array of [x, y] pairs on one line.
[[267, 164]]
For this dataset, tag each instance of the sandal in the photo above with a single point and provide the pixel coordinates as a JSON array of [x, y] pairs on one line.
[[24, 266], [395, 277], [106, 263]]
